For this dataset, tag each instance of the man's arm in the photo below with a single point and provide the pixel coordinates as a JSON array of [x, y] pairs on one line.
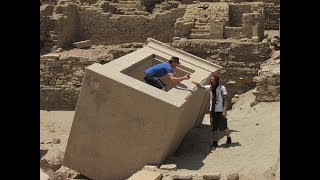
[[177, 79]]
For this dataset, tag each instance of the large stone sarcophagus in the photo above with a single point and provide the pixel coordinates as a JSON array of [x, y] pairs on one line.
[[122, 123]]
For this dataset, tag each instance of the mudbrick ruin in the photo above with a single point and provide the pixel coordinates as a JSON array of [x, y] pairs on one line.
[[78, 36]]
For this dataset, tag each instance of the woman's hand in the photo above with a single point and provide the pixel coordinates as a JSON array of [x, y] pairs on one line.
[[224, 113]]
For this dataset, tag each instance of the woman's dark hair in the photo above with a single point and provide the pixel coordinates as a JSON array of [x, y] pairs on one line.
[[216, 78]]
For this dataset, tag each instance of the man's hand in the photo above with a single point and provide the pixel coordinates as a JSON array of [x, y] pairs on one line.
[[187, 76]]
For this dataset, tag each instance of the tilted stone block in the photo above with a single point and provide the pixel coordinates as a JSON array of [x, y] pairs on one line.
[[122, 123]]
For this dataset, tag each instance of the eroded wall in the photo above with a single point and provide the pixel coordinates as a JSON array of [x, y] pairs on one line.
[[272, 16], [102, 28], [240, 61], [61, 74], [59, 26], [268, 82]]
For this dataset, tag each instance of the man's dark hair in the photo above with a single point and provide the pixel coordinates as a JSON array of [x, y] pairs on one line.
[[174, 59]]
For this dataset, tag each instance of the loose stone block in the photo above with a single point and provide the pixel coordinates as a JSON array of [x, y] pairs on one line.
[[82, 44], [146, 175], [171, 167]]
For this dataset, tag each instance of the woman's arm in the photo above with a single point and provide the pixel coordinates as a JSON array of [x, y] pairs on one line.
[[205, 87]]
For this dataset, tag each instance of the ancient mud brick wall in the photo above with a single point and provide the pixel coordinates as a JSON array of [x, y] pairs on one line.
[[61, 74], [232, 32], [241, 61], [48, 1], [216, 15], [61, 79], [246, 20], [268, 82], [266, 1], [102, 28], [60, 82], [252, 25], [45, 38], [235, 13], [67, 27], [272, 16], [67, 1], [44, 33], [87, 1], [59, 25]]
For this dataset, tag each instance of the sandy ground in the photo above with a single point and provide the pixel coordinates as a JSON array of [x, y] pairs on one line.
[[254, 153]]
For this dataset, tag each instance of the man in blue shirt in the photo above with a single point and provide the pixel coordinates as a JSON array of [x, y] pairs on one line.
[[153, 73]]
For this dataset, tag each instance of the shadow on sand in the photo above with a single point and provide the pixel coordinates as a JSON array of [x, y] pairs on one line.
[[43, 152], [233, 144], [195, 147]]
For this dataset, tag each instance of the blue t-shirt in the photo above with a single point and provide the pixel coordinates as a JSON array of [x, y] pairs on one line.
[[159, 70]]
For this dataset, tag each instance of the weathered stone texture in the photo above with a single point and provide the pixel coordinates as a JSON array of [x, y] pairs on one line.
[[146, 175], [182, 175], [58, 25], [272, 16], [211, 175], [170, 167], [102, 29], [52, 160], [61, 79], [67, 26], [266, 1], [252, 25], [183, 27], [237, 77], [43, 176], [59, 97], [82, 44], [217, 29], [241, 61], [199, 14], [268, 82], [246, 20], [225, 49], [233, 176], [233, 32], [61, 74], [236, 11]]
